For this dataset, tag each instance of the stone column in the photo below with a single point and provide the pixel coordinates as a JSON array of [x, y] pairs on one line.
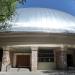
[[34, 59], [5, 60], [63, 58]]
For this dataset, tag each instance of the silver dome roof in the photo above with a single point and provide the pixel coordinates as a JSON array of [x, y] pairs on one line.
[[42, 20]]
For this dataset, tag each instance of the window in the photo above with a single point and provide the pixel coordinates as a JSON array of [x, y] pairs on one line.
[[46, 55]]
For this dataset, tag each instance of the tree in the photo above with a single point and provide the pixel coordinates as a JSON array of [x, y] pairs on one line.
[[7, 9]]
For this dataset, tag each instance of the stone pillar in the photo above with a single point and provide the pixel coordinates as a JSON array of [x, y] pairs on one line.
[[5, 60], [63, 58], [34, 58]]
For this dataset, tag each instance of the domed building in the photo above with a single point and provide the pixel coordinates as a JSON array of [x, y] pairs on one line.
[[39, 39]]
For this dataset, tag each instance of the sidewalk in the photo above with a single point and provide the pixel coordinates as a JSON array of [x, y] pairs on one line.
[[40, 73]]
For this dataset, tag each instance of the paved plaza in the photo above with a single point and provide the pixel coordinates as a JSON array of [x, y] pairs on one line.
[[40, 73]]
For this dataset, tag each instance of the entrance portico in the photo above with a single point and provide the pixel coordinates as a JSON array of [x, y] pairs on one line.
[[24, 56]]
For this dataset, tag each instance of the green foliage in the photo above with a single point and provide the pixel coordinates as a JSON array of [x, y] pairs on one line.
[[7, 8]]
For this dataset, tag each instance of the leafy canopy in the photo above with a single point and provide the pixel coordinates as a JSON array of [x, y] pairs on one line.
[[7, 8]]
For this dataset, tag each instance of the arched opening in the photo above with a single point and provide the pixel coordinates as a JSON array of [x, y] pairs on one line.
[[1, 55]]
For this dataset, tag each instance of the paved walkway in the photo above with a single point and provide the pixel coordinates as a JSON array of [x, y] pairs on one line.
[[40, 73], [60, 73]]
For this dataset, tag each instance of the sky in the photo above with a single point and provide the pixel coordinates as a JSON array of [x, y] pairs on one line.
[[62, 5]]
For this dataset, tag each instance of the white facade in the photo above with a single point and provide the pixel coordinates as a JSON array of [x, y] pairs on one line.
[[39, 39]]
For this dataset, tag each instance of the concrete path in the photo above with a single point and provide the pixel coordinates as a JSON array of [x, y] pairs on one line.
[[39, 73]]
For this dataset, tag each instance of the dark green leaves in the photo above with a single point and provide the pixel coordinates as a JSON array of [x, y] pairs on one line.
[[7, 8]]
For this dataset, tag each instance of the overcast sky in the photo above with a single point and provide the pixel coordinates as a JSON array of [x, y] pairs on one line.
[[64, 5]]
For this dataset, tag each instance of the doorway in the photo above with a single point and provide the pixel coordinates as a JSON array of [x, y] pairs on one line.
[[1, 55], [23, 61], [69, 60]]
